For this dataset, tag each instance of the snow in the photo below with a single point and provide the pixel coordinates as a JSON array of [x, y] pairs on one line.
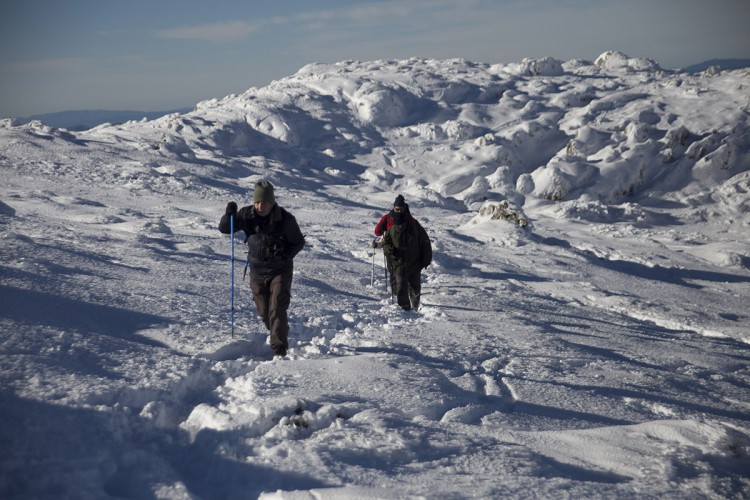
[[584, 331]]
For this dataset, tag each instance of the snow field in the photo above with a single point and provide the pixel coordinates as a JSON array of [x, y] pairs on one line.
[[598, 351]]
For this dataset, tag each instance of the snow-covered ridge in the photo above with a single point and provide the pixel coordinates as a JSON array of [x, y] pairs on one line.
[[615, 129]]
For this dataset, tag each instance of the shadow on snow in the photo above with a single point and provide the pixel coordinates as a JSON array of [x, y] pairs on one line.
[[46, 309]]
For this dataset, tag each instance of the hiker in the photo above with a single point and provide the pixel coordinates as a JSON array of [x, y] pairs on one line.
[[409, 248], [273, 239], [384, 225]]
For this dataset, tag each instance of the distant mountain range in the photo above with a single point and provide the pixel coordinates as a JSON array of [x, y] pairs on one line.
[[86, 119], [725, 64]]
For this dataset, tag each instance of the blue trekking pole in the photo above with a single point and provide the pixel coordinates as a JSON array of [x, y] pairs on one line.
[[231, 299]]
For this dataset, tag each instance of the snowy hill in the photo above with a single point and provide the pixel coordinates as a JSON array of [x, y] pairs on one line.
[[77, 120], [585, 323]]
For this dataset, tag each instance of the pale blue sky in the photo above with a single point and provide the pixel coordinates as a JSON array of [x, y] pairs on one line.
[[153, 55]]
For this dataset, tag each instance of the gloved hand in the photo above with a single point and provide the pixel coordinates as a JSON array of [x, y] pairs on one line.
[[231, 208], [374, 244]]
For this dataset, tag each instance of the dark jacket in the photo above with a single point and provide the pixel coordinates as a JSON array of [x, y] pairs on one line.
[[409, 247], [273, 241]]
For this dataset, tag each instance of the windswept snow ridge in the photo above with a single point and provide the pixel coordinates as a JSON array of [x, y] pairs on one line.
[[584, 331]]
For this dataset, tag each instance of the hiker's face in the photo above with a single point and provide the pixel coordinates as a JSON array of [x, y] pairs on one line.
[[263, 208]]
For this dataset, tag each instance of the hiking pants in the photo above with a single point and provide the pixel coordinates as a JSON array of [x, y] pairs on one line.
[[391, 275], [272, 296], [408, 290]]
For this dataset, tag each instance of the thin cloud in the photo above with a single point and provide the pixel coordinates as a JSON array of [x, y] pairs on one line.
[[65, 63], [387, 10], [229, 31], [233, 31]]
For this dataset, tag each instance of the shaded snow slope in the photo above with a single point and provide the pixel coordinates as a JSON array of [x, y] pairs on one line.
[[585, 323]]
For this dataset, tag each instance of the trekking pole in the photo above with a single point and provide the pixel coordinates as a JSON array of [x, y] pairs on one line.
[[372, 274], [231, 294], [385, 270]]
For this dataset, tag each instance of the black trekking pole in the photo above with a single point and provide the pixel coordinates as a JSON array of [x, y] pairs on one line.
[[387, 276], [385, 271], [231, 294]]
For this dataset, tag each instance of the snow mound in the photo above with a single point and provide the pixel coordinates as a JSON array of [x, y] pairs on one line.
[[613, 59], [384, 106], [596, 211], [547, 66]]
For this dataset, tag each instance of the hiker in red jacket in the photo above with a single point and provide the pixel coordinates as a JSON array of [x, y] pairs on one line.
[[410, 251], [385, 223]]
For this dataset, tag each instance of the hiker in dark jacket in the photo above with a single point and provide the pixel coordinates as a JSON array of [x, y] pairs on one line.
[[383, 225], [410, 250], [273, 239]]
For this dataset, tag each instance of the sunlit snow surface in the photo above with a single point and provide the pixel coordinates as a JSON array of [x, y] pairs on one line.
[[592, 340]]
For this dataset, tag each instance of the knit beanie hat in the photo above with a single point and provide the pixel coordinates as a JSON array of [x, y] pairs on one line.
[[263, 192], [400, 202]]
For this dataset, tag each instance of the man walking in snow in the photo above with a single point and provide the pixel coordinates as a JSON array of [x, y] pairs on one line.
[[274, 239], [409, 248], [383, 225]]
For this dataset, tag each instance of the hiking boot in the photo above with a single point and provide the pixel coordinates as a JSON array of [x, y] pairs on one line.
[[279, 351]]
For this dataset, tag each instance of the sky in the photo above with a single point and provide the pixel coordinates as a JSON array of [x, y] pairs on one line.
[[145, 55]]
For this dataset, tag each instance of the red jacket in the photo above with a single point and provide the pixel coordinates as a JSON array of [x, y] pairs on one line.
[[384, 225], [386, 222]]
